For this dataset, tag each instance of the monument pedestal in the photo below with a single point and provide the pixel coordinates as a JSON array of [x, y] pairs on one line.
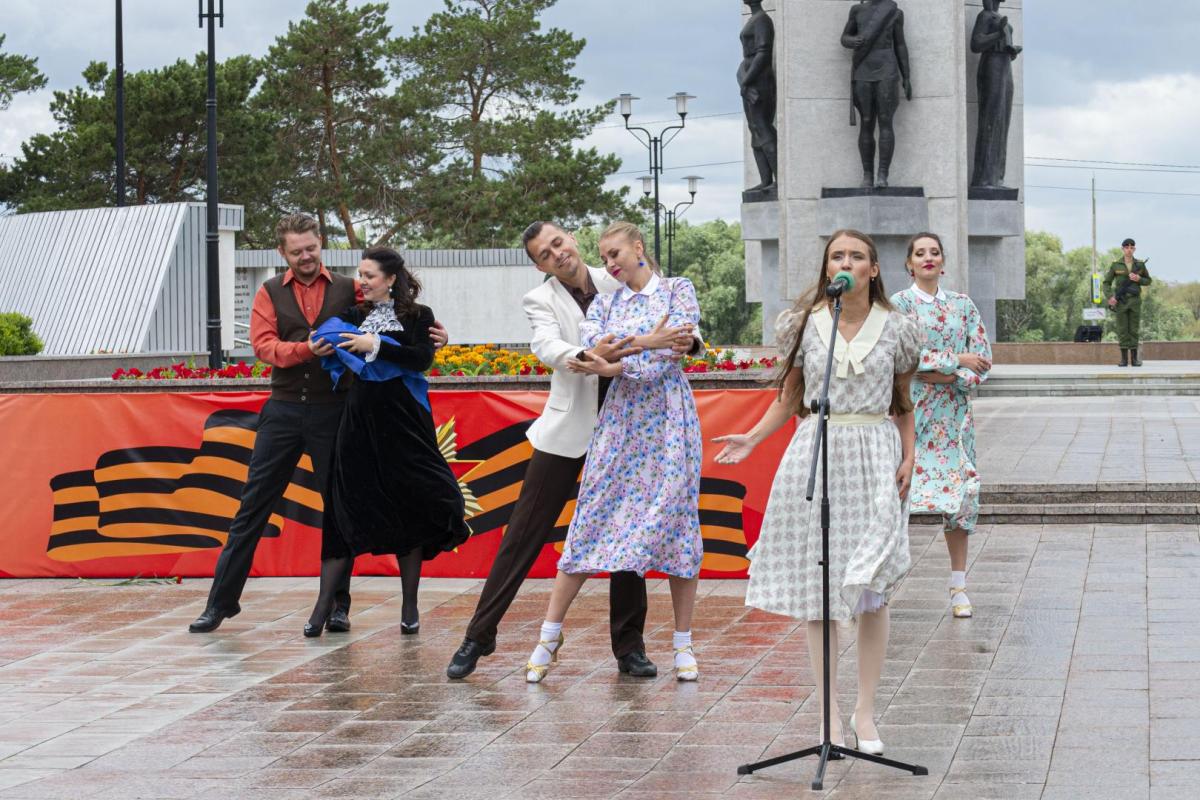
[[760, 231]]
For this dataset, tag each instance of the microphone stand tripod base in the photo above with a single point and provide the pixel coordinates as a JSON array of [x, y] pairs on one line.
[[829, 752]]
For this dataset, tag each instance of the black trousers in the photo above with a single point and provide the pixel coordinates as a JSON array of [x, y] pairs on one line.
[[285, 432], [549, 480]]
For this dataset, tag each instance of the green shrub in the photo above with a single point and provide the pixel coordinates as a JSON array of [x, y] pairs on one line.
[[17, 337]]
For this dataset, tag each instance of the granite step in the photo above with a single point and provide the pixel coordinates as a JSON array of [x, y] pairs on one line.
[[1088, 388], [1116, 503]]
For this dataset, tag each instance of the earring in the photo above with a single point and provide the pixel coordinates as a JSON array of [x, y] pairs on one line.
[[641, 263], [943, 272]]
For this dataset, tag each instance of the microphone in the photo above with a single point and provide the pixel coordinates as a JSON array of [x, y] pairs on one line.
[[842, 282]]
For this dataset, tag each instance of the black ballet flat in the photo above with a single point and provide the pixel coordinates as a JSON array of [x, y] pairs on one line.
[[312, 631], [407, 629]]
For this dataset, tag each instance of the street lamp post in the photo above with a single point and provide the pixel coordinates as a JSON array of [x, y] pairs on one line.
[[211, 237], [119, 80], [656, 144], [672, 214]]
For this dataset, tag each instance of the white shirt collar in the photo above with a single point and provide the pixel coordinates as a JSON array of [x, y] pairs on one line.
[[647, 290], [925, 297]]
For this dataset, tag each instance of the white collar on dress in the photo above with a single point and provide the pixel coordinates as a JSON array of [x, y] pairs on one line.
[[851, 354], [926, 297], [647, 290]]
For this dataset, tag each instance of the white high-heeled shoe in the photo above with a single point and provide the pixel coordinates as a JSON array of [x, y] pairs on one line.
[[872, 746]]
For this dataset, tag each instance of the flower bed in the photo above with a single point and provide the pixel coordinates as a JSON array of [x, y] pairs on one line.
[[189, 371], [452, 360]]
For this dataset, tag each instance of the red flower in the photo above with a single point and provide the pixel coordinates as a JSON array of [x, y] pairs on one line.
[[435, 372], [120, 373], [525, 369]]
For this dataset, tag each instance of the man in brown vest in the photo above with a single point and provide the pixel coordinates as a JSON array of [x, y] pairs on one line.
[[302, 414]]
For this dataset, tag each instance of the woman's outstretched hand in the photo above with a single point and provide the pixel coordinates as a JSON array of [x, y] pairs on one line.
[[738, 447]]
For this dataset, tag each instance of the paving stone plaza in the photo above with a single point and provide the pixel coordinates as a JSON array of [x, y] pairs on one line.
[[1075, 679]]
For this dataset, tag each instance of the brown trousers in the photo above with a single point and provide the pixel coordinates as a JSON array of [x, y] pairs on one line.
[[549, 480]]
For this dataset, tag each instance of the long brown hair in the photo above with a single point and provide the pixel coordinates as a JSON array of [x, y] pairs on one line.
[[814, 299]]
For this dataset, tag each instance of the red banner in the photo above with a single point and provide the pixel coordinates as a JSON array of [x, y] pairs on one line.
[[117, 485]]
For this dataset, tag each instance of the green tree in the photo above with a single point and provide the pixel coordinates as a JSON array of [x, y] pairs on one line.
[[500, 88], [17, 74], [352, 142], [165, 142], [712, 256], [17, 337]]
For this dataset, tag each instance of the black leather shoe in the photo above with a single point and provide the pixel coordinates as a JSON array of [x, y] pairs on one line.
[[339, 621], [211, 619], [312, 631], [465, 658], [637, 665]]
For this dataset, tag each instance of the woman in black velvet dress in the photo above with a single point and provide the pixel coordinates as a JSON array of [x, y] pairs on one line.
[[390, 489]]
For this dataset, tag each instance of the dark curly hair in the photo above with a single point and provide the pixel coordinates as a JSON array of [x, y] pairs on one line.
[[406, 288]]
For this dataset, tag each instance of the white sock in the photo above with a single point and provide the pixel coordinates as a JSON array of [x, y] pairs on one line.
[[541, 653], [958, 580], [680, 640]]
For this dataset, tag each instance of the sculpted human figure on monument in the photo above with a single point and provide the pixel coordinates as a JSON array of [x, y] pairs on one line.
[[992, 38], [875, 32], [756, 79]]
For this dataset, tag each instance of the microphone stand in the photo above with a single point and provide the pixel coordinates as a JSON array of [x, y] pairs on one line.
[[826, 750]]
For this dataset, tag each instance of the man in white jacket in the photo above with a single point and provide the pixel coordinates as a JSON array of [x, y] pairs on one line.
[[560, 438]]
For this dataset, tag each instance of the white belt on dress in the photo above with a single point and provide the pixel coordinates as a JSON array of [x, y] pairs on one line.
[[856, 419]]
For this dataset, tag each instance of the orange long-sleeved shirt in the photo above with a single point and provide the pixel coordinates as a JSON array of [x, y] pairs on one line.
[[264, 324]]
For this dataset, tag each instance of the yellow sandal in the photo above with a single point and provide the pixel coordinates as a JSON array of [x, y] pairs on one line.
[[960, 610], [689, 672], [535, 672]]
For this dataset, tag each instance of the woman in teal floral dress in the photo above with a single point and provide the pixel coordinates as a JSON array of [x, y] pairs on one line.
[[955, 358]]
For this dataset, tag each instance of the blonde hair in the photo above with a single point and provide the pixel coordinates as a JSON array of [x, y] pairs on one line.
[[633, 234]]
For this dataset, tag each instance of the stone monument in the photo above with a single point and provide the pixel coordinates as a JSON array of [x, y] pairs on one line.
[[992, 40], [875, 32], [821, 168], [756, 79]]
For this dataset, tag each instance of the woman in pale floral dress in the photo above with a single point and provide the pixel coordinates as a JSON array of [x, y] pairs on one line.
[[956, 356], [870, 467], [638, 505]]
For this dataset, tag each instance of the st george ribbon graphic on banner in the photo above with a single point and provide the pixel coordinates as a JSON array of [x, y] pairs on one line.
[[115, 485]]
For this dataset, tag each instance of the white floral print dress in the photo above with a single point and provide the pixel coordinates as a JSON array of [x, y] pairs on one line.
[[868, 537]]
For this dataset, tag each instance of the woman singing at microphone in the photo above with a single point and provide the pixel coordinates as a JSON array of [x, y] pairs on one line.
[[870, 466]]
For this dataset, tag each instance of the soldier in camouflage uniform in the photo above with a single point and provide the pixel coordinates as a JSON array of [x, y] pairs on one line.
[[1123, 284]]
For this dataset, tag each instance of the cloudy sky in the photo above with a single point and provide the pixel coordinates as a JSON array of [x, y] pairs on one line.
[[1105, 81]]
